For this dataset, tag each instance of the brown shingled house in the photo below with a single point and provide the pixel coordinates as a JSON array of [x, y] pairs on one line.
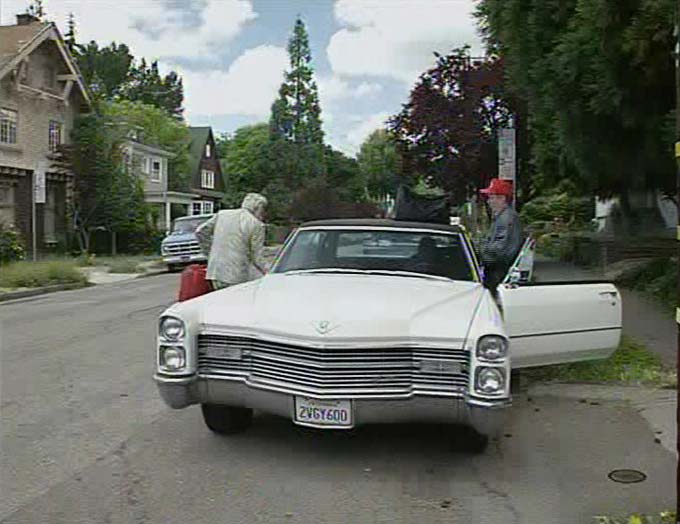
[[41, 93]]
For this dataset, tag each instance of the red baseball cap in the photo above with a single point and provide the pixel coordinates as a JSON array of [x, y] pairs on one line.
[[498, 187]]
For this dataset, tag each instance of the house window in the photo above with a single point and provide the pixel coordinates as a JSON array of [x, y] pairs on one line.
[[7, 205], [55, 135], [196, 208], [146, 165], [208, 179], [156, 170], [207, 150], [208, 207], [8, 126]]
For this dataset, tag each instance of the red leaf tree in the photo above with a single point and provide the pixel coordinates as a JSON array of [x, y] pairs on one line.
[[446, 132]]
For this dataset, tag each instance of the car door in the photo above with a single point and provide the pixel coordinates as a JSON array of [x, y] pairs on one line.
[[556, 323]]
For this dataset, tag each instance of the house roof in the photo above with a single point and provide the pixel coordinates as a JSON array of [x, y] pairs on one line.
[[14, 37], [19, 41], [199, 137]]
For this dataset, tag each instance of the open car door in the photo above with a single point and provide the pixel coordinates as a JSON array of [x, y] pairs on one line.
[[557, 323]]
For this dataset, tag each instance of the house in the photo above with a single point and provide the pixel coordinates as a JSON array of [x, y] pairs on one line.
[[150, 163], [207, 184], [41, 93]]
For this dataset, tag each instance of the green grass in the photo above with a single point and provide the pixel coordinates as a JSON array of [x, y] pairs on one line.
[[665, 517], [37, 274], [631, 364]]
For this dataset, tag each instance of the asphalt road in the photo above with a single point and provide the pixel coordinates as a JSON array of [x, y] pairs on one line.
[[84, 437]]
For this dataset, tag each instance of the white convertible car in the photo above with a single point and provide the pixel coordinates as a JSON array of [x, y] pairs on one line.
[[373, 321]]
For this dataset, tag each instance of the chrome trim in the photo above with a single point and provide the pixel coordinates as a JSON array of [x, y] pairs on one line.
[[316, 342], [489, 403], [344, 395], [160, 378]]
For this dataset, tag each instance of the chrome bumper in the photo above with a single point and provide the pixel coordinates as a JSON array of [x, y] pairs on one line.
[[184, 259], [486, 416]]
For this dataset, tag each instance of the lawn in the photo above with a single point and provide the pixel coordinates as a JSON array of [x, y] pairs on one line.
[[631, 364], [37, 274]]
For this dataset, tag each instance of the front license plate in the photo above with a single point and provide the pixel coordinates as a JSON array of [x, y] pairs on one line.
[[331, 413], [186, 257]]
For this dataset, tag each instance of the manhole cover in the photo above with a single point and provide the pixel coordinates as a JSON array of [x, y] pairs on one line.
[[627, 476]]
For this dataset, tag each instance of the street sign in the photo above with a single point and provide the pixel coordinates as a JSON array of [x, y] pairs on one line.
[[506, 154], [39, 196]]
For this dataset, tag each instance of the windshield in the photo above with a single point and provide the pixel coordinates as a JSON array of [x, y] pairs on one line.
[[426, 253], [188, 225]]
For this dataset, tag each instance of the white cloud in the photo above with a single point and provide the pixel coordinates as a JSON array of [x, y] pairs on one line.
[[396, 38], [368, 89], [356, 136], [120, 21], [335, 88], [249, 87]]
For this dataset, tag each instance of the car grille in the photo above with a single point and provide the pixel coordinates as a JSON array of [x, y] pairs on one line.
[[182, 248], [355, 372]]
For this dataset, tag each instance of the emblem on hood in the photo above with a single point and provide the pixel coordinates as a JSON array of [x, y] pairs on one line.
[[323, 327]]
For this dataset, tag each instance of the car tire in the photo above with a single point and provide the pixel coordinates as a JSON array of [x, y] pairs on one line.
[[226, 420], [466, 439], [172, 268]]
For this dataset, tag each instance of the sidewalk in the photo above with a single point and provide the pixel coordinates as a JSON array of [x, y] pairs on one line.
[[643, 319]]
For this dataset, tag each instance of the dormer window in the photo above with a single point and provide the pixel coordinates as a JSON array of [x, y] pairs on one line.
[[207, 150]]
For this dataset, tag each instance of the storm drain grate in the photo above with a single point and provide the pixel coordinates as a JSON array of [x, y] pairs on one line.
[[627, 476]]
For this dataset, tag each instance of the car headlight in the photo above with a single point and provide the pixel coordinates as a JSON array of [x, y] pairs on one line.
[[492, 347], [171, 358], [490, 380], [171, 328]]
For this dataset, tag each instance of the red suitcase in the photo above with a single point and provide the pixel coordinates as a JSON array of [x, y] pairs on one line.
[[193, 283]]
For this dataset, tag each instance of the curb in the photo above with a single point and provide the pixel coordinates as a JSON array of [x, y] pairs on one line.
[[13, 295]]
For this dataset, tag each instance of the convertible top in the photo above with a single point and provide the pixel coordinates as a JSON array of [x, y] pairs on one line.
[[381, 223]]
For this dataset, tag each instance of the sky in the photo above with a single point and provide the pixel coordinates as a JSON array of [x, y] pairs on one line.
[[231, 54]]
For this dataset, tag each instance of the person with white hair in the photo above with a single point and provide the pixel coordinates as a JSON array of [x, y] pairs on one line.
[[234, 239]]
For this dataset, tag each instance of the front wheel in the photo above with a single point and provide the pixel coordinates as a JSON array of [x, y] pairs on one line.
[[226, 420]]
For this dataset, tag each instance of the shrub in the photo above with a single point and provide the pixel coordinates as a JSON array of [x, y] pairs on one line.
[[657, 278], [36, 274], [11, 245]]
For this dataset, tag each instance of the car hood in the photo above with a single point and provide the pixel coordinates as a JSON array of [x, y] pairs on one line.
[[179, 237], [339, 308]]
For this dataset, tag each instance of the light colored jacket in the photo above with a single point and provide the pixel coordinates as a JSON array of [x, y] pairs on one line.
[[234, 239]]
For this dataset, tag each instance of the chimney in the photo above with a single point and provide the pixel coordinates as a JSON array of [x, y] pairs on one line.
[[26, 19]]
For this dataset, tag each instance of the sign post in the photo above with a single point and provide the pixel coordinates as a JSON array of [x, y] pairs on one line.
[[507, 161], [38, 198]]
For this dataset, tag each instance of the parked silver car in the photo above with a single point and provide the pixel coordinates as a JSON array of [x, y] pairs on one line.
[[181, 246]]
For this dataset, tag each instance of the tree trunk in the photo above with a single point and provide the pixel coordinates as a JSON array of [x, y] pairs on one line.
[[114, 247]]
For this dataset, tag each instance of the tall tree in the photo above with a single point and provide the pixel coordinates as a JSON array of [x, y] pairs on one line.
[[146, 85], [36, 9], [379, 164], [70, 36], [106, 196], [296, 114], [597, 78], [446, 132], [105, 69]]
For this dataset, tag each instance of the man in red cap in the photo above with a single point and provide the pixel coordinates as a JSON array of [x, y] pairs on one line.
[[504, 240]]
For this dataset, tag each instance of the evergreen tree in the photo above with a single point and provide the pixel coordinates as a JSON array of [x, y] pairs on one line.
[[296, 114], [146, 85], [70, 36], [36, 9]]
